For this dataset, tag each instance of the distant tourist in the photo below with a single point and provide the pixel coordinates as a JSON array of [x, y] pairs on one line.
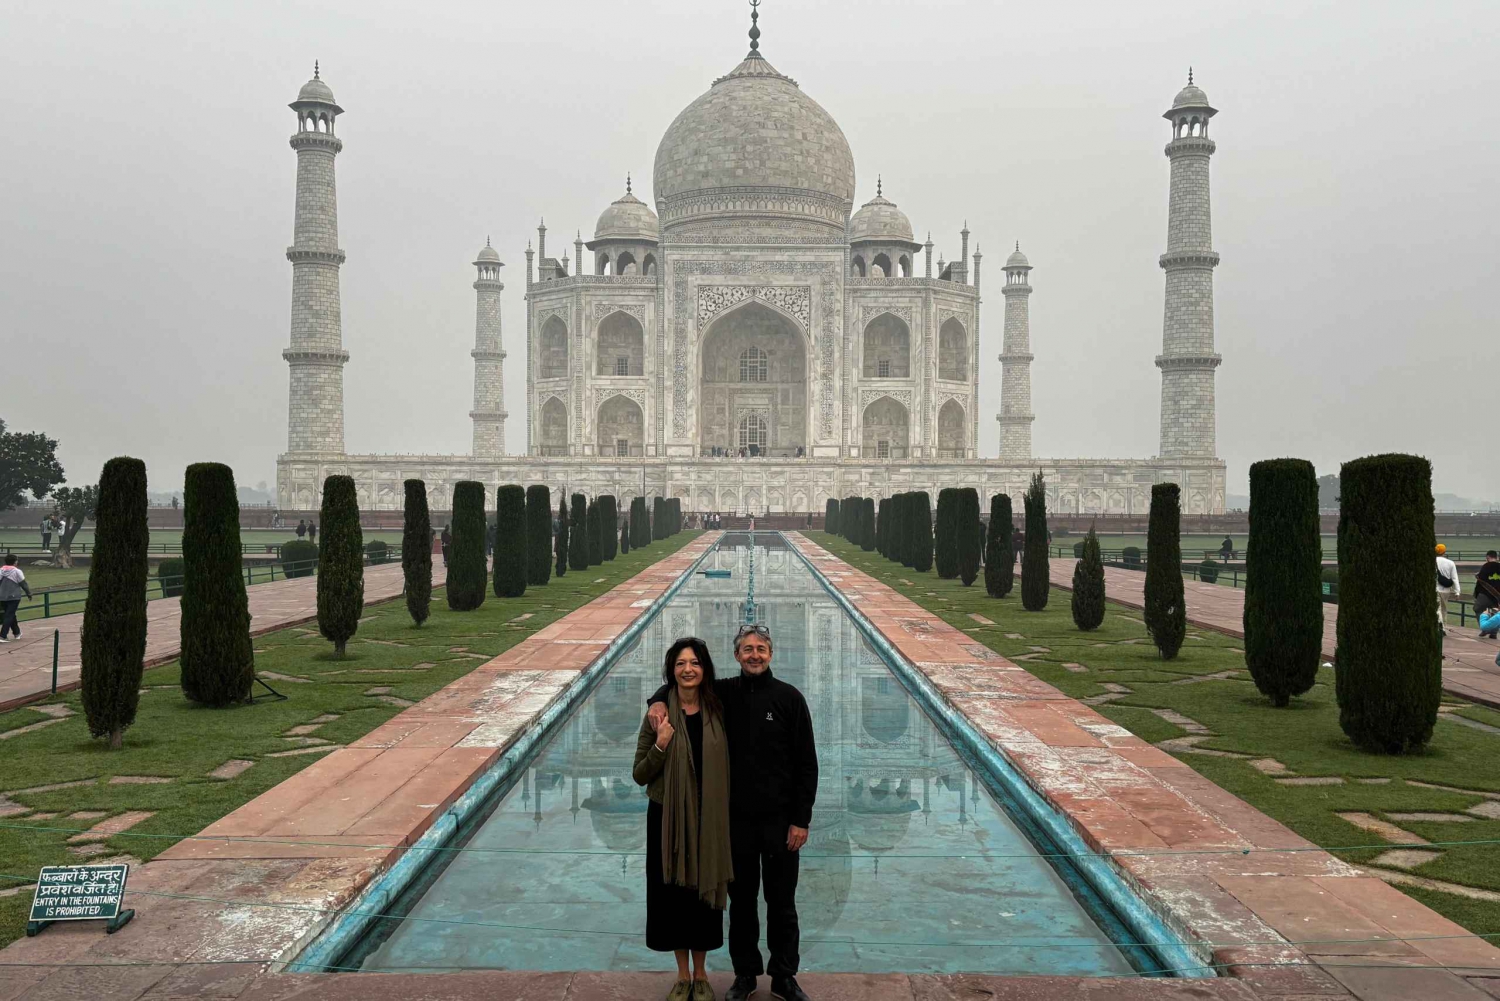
[[47, 532], [12, 586], [312, 532], [446, 539], [489, 540], [1489, 624], [1487, 583], [774, 756], [1226, 551], [687, 783], [1447, 584], [301, 527]]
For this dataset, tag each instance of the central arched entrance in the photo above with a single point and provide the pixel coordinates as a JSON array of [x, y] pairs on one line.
[[753, 393]]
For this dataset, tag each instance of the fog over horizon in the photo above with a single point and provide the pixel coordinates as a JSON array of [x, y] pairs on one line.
[[149, 198]]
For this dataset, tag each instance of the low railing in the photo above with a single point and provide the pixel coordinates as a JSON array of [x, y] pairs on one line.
[[72, 599]]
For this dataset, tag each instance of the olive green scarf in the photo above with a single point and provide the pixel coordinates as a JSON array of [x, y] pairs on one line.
[[694, 842]]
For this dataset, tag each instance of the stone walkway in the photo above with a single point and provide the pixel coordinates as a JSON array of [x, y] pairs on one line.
[[1469, 669], [26, 665]]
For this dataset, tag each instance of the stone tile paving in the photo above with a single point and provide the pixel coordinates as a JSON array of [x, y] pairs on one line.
[[1122, 795], [323, 834], [1469, 669], [26, 666]]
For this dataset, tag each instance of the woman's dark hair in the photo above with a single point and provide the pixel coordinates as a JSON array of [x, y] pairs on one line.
[[706, 693]]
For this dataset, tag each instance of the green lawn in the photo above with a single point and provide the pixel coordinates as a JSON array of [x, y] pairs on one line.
[[30, 538], [1194, 546], [390, 662], [1241, 726]]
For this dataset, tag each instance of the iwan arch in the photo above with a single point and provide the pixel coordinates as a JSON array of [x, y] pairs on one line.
[[755, 343]]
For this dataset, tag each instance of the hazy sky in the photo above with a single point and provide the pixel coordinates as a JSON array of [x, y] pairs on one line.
[[147, 203]]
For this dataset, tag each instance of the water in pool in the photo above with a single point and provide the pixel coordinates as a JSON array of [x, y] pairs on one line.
[[911, 866]]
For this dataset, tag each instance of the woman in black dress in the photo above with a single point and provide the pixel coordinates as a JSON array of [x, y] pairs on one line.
[[685, 767]]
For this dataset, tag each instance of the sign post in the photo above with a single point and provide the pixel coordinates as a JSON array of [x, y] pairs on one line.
[[79, 893]]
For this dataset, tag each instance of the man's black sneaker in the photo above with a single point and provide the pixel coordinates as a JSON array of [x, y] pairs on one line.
[[741, 989], [786, 989]]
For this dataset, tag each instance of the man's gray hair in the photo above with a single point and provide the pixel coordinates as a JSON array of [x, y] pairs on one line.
[[753, 629]]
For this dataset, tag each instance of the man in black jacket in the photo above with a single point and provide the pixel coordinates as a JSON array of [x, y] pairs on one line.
[[773, 781]]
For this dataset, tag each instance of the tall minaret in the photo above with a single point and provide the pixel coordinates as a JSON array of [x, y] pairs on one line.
[[1015, 415], [489, 360], [315, 418], [1187, 360]]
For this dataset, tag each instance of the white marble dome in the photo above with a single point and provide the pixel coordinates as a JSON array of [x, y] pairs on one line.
[[879, 219], [316, 90], [628, 218], [755, 144]]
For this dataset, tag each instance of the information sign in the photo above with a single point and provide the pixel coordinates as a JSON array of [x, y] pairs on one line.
[[79, 893]]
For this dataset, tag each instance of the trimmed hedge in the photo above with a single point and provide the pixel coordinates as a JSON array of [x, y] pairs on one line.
[[416, 551], [1000, 555], [831, 517], [920, 536], [596, 533], [640, 525], [578, 536], [609, 523], [883, 527], [1088, 586], [1390, 646], [538, 535], [945, 556], [341, 563], [1036, 582], [217, 660], [467, 573], [113, 638], [377, 552], [625, 538], [169, 573], [1131, 556], [1283, 618], [969, 530], [302, 555], [561, 544], [1166, 607], [510, 541], [867, 525]]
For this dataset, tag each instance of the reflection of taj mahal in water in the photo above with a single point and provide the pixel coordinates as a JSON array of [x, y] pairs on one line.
[[754, 312]]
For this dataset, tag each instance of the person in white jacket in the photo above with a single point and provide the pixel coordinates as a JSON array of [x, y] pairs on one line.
[[1447, 584]]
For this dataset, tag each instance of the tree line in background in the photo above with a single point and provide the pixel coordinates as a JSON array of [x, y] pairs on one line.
[[1388, 678], [218, 660]]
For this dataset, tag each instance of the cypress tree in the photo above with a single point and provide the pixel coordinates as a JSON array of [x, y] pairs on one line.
[[625, 538], [341, 563], [640, 527], [1000, 556], [1390, 646], [857, 528], [1284, 569], [578, 539], [1166, 607], [467, 572], [562, 543], [867, 525], [946, 555], [538, 535], [920, 538], [416, 552], [113, 640], [831, 517], [1088, 586], [608, 526], [850, 523], [900, 528], [596, 534], [882, 526], [1036, 582], [218, 662], [968, 529], [511, 541]]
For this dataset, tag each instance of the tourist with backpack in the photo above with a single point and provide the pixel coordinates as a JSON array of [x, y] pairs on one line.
[[1447, 584]]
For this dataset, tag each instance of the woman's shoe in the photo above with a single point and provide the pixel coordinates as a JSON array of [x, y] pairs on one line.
[[703, 991], [681, 991]]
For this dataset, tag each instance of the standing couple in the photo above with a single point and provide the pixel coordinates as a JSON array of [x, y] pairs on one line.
[[731, 772]]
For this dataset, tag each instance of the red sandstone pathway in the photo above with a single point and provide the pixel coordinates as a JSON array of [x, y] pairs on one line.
[[26, 665], [1469, 669]]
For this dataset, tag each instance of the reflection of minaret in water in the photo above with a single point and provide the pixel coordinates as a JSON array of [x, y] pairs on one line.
[[574, 808], [536, 818]]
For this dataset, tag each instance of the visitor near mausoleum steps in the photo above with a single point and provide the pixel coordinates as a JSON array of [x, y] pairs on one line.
[[1447, 584], [12, 586], [774, 783]]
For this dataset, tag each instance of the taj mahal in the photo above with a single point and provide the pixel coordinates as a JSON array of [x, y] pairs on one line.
[[754, 343]]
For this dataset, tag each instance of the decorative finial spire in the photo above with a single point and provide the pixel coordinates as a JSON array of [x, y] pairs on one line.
[[315, 70], [627, 182], [754, 28], [1190, 76], [879, 186], [1018, 245]]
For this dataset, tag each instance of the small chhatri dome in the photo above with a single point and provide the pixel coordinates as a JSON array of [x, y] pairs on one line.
[[628, 218], [1017, 259], [879, 219], [316, 90], [488, 254], [1191, 96]]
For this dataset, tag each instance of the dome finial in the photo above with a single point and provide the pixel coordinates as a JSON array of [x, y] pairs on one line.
[[627, 182], [1190, 76], [879, 186], [315, 70], [486, 241], [1018, 244], [754, 28]]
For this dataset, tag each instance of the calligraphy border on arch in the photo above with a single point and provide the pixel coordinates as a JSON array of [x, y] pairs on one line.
[[794, 300], [635, 309], [825, 340]]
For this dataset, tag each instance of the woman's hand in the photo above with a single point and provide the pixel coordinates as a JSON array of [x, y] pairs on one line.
[[664, 733]]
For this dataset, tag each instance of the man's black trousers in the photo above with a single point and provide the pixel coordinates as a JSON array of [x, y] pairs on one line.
[[761, 860]]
